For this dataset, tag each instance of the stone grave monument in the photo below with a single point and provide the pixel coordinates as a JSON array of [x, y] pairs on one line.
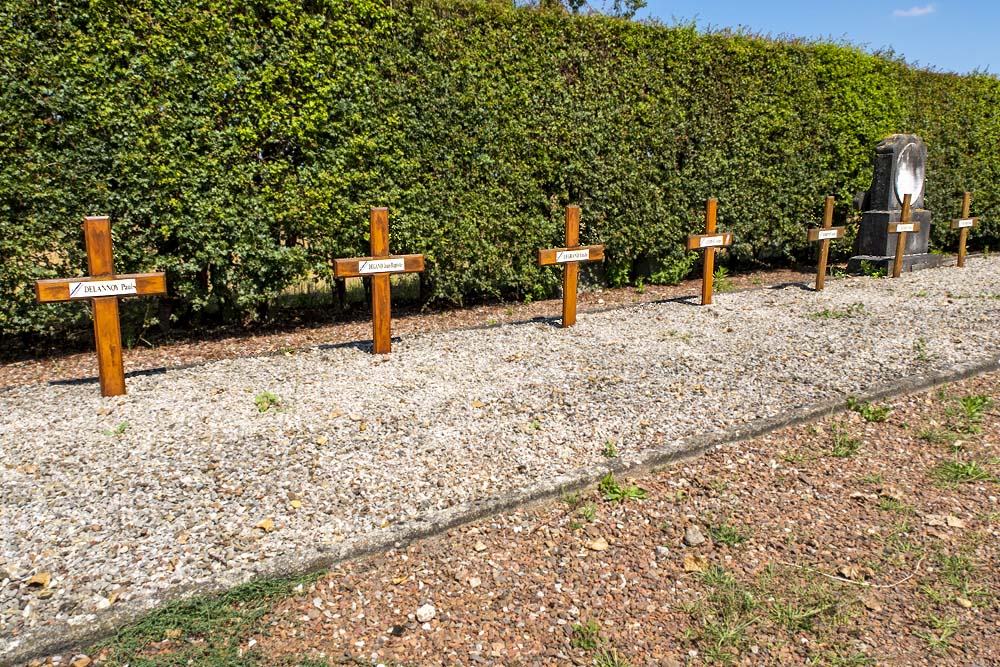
[[900, 161]]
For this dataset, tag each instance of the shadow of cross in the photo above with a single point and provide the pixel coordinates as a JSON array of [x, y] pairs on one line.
[[378, 267], [570, 257], [103, 288]]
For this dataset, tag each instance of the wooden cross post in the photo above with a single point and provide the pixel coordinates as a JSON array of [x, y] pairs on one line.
[[570, 257], [963, 224], [901, 228], [379, 266], [103, 288], [709, 241], [824, 235]]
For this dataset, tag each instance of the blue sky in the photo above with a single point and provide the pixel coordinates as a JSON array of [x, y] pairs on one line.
[[947, 35]]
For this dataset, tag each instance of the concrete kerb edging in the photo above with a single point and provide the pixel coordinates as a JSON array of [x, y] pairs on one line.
[[687, 449]]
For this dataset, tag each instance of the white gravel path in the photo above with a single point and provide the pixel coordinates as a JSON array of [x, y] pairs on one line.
[[125, 500]]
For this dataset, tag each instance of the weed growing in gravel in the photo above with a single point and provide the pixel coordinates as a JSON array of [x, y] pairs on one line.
[[872, 270], [571, 498], [938, 436], [265, 401], [868, 412], [722, 281], [973, 407], [614, 492], [853, 310], [588, 512], [920, 347], [726, 617], [960, 472], [118, 430], [586, 636], [892, 505], [844, 445], [221, 624], [610, 449], [943, 629], [874, 478], [610, 657], [726, 534]]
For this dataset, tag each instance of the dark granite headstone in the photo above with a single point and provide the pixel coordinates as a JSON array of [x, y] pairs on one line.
[[900, 161]]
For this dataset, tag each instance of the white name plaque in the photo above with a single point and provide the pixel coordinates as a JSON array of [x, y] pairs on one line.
[[904, 227], [95, 288], [564, 256], [381, 265], [827, 234], [965, 223], [711, 241]]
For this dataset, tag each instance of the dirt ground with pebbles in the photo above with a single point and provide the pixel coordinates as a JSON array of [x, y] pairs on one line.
[[839, 542]]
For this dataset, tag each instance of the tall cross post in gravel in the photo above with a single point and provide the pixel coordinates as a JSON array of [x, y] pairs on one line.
[[708, 242], [379, 267], [570, 257], [963, 225], [901, 229], [823, 235], [103, 288]]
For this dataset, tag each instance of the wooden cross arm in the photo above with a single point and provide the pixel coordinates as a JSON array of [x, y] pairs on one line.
[[698, 241], [583, 253], [369, 266], [824, 233], [964, 223], [130, 284], [898, 227]]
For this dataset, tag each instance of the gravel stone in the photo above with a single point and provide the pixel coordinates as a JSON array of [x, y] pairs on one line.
[[693, 536], [136, 498]]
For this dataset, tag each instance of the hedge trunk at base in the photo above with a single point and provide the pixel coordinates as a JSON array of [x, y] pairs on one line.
[[240, 143]]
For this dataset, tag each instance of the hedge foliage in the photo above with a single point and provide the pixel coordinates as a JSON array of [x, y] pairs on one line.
[[238, 144]]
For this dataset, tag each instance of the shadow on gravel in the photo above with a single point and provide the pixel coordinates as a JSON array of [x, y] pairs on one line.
[[93, 378], [802, 286]]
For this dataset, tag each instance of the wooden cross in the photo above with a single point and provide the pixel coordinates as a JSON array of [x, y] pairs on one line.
[[709, 241], [901, 228], [379, 266], [103, 288], [963, 224], [824, 235], [570, 257]]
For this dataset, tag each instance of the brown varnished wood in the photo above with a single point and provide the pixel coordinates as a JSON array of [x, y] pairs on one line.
[[107, 327], [963, 233], [897, 265], [547, 257], [708, 268], [381, 288], [350, 267], [571, 270], [694, 241], [57, 289], [108, 338], [381, 302], [824, 250], [813, 234]]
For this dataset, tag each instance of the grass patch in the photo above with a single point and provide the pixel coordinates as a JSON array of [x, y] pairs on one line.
[[610, 657], [844, 446], [726, 534], [205, 630], [853, 310], [868, 411], [961, 472]]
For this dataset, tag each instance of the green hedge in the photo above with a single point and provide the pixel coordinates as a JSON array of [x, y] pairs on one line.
[[239, 145]]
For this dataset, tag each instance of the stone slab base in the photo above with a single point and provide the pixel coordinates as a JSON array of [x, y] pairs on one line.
[[910, 262]]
